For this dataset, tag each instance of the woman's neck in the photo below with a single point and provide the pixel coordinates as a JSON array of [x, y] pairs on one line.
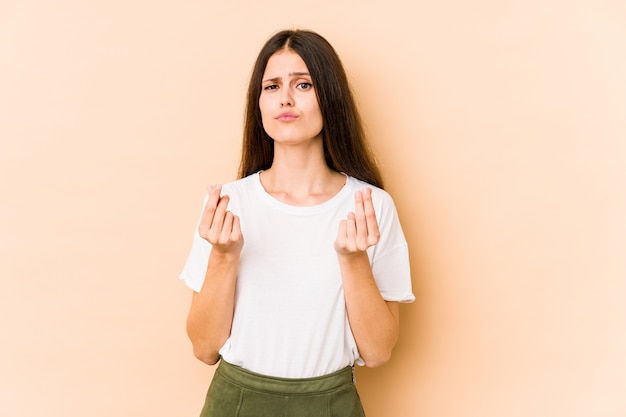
[[301, 178]]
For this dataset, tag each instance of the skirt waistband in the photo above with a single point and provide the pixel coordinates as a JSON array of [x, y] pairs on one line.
[[272, 384]]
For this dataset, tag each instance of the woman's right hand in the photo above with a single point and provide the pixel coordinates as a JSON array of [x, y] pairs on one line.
[[210, 318], [219, 226]]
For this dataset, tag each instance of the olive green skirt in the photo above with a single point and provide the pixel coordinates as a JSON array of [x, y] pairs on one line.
[[236, 392]]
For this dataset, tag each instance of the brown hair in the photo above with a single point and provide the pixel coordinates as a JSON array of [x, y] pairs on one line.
[[345, 148]]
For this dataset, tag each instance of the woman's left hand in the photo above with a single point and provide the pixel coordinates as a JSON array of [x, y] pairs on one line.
[[360, 230]]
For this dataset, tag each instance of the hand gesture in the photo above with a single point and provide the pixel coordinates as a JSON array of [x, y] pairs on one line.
[[219, 226], [360, 230]]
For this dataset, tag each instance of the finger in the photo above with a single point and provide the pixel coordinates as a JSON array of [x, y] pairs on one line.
[[351, 233], [370, 218], [209, 209], [340, 243], [361, 222], [218, 218], [236, 232], [342, 229], [214, 198], [227, 228]]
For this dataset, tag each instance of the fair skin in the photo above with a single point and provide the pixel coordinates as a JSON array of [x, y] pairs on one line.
[[298, 176]]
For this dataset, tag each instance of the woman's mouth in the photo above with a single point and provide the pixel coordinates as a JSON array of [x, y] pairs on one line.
[[286, 116]]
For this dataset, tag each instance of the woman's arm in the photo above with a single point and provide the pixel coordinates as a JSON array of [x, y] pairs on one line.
[[374, 322], [211, 314]]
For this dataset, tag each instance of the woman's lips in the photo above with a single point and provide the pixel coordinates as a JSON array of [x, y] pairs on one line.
[[286, 116]]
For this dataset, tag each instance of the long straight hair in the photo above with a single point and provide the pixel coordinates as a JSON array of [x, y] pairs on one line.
[[343, 137]]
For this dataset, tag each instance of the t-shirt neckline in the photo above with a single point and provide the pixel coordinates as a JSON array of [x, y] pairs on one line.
[[328, 204]]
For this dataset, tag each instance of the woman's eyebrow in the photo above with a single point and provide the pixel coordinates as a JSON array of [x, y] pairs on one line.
[[291, 74]]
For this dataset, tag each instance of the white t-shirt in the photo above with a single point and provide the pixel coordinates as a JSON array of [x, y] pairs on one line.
[[290, 316]]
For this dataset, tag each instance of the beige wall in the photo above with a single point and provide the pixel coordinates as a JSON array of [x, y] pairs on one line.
[[500, 126]]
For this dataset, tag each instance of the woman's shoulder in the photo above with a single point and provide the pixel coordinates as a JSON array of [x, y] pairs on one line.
[[377, 192], [241, 184]]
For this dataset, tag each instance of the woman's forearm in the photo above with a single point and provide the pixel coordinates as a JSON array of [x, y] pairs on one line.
[[211, 314], [374, 322]]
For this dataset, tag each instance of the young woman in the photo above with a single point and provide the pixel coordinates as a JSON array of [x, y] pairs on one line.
[[298, 267]]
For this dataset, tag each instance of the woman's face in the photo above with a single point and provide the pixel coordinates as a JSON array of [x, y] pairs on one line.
[[289, 108]]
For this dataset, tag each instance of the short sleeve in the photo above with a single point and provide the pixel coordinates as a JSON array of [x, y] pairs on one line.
[[390, 257], [393, 276], [194, 271]]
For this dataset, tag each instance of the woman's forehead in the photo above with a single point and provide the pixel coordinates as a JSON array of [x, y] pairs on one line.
[[283, 63]]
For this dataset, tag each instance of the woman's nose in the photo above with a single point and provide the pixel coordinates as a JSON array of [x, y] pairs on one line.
[[286, 100]]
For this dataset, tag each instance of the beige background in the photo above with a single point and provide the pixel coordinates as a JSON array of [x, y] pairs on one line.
[[500, 126]]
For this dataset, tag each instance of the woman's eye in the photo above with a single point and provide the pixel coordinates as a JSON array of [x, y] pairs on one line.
[[270, 87], [305, 86]]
